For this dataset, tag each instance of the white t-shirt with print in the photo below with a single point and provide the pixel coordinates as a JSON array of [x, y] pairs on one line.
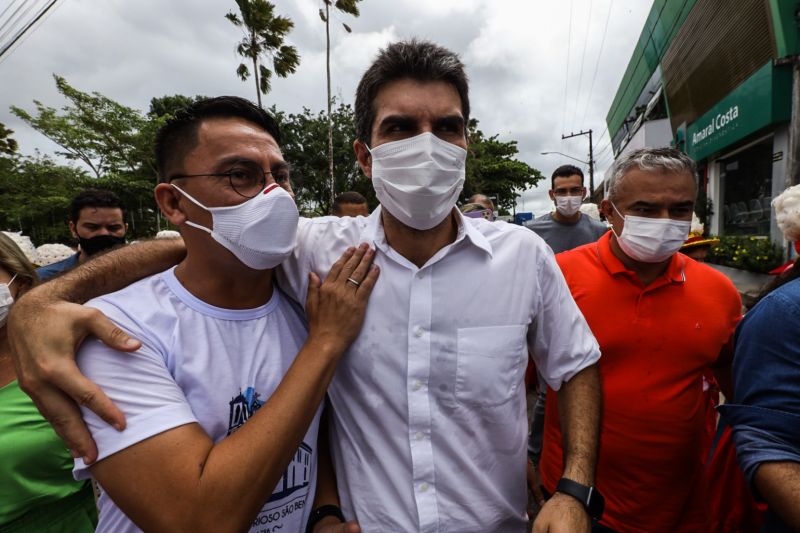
[[198, 363]]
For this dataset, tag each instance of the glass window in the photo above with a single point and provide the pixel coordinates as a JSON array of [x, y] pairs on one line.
[[747, 185]]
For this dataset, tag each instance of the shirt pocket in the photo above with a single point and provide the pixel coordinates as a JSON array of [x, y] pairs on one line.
[[490, 364]]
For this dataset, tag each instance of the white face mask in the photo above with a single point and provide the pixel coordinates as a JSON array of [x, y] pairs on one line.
[[6, 300], [418, 180], [568, 205], [651, 240], [259, 232]]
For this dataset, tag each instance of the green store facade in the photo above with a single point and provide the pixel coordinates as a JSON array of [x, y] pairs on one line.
[[709, 76]]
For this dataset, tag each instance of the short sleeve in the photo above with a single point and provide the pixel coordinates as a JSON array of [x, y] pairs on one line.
[[141, 386], [292, 274], [559, 339]]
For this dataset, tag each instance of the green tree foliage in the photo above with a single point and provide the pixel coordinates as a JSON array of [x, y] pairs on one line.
[[113, 141], [264, 35], [35, 195], [7, 144], [493, 170], [169, 105], [305, 143], [104, 135]]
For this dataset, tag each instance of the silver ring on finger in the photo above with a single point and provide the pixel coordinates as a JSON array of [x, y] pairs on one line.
[[354, 282]]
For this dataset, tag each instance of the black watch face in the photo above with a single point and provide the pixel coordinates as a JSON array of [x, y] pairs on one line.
[[596, 504]]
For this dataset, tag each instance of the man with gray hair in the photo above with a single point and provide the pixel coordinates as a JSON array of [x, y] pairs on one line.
[[662, 321]]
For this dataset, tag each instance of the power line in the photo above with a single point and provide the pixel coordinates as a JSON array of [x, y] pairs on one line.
[[14, 18], [597, 64], [583, 61], [11, 3], [566, 77], [22, 33]]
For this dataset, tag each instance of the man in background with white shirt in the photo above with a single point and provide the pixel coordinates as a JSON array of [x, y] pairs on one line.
[[428, 426]]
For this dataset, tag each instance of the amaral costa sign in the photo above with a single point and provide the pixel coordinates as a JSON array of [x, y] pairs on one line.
[[717, 123], [762, 99]]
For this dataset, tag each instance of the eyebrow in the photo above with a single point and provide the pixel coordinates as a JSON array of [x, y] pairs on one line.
[[451, 120], [398, 120]]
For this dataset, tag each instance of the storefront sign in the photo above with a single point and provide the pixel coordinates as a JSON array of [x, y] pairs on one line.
[[716, 125], [758, 102]]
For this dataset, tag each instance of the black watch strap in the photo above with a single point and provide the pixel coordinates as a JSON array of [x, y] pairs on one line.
[[590, 497], [321, 512]]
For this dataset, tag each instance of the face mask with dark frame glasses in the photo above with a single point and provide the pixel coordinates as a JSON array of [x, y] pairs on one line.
[[246, 178]]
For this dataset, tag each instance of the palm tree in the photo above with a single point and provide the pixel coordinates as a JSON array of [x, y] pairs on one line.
[[264, 34], [351, 8]]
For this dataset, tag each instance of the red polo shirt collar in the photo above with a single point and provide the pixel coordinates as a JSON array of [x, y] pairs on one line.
[[675, 272]]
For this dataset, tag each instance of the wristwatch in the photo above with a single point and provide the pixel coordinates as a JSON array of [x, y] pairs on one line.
[[321, 512], [590, 497]]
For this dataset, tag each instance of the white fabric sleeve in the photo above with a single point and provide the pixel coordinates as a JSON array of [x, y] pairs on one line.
[[292, 274], [140, 384], [559, 339]]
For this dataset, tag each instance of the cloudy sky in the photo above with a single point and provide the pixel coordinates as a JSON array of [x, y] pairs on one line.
[[538, 68]]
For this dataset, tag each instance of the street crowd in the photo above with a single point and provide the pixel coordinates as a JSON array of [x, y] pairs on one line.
[[370, 371]]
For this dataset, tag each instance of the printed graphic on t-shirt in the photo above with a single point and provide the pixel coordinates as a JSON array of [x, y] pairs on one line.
[[243, 407], [291, 492]]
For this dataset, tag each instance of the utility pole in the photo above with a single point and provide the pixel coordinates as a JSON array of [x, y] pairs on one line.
[[330, 123], [591, 156]]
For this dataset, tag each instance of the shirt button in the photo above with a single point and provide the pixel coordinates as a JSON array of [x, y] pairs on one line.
[[418, 331], [417, 385], [419, 435], [424, 487]]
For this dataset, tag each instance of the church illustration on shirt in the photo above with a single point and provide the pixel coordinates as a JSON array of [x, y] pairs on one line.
[[298, 473]]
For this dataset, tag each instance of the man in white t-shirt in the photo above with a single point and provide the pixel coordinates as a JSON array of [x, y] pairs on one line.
[[222, 399], [428, 425]]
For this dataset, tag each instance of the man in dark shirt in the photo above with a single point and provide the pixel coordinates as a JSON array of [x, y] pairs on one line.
[[566, 227], [97, 221]]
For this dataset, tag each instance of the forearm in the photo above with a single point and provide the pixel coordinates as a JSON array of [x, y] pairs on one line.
[[113, 271], [779, 484], [580, 405], [242, 470], [327, 493]]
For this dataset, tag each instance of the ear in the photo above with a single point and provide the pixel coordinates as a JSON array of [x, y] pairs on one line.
[[126, 227], [552, 196], [168, 198], [72, 230], [364, 157]]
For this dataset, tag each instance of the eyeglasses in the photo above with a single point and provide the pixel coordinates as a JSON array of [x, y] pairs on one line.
[[574, 191], [245, 177]]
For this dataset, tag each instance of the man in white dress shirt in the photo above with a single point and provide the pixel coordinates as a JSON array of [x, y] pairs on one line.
[[428, 425]]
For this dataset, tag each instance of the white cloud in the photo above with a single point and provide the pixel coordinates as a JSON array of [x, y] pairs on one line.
[[515, 52]]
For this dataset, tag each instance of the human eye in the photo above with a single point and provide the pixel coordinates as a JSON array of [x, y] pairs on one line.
[[681, 212], [281, 176]]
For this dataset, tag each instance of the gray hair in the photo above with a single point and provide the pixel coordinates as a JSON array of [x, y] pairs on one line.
[[668, 160]]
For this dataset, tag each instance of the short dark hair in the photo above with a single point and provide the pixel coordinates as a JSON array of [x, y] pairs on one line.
[[178, 136], [565, 171], [349, 197], [416, 60], [94, 198]]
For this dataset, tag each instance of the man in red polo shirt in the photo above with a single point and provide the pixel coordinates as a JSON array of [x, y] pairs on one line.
[[661, 319]]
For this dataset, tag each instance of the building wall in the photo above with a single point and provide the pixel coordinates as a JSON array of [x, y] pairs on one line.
[[720, 44]]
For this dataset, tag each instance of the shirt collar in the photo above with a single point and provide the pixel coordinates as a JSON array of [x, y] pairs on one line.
[[467, 230], [675, 270]]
